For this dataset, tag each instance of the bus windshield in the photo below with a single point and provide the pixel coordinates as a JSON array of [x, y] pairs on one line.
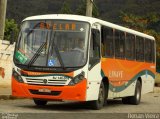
[[52, 43]]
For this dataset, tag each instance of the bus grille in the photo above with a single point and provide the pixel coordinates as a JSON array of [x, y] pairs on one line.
[[54, 93], [46, 82]]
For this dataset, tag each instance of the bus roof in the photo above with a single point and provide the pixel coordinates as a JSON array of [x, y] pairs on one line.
[[91, 20]]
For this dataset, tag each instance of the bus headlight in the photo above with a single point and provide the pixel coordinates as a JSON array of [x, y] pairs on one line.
[[77, 79], [17, 76]]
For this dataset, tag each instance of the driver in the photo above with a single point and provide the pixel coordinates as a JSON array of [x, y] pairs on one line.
[[80, 55], [80, 46]]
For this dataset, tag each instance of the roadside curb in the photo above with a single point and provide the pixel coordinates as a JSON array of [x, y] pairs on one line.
[[8, 97]]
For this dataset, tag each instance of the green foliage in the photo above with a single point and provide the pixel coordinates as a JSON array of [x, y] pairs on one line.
[[95, 11], [65, 8], [108, 9], [81, 9], [11, 28], [134, 22]]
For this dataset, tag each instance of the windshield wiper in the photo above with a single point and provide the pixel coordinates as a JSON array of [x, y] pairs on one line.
[[35, 26], [36, 55], [57, 52]]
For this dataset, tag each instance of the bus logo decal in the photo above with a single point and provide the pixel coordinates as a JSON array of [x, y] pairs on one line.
[[45, 81]]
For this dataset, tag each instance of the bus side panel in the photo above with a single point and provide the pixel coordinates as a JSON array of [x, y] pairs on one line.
[[128, 91], [123, 74], [147, 84]]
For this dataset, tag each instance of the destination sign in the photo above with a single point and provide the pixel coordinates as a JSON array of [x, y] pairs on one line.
[[63, 26], [58, 26]]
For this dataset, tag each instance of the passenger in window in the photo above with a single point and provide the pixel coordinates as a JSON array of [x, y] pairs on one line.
[[102, 49], [121, 49]]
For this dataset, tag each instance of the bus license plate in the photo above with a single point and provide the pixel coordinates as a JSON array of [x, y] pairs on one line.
[[45, 90]]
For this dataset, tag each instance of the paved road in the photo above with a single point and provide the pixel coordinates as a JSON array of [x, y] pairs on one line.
[[150, 103]]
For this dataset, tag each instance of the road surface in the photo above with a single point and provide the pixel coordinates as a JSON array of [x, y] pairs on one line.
[[150, 103]]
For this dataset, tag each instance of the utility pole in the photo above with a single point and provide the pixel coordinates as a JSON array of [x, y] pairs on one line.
[[89, 8], [3, 6]]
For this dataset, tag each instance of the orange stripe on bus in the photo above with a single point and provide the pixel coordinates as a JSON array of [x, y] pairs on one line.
[[128, 69]]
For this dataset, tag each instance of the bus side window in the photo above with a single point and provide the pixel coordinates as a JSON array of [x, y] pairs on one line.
[[139, 48], [107, 45], [94, 55], [148, 50], [130, 46], [153, 51], [119, 44]]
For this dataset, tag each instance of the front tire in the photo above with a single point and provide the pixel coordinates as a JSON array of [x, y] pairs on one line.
[[39, 102], [98, 104]]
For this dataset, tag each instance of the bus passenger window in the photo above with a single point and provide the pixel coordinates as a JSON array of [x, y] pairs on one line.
[[119, 44], [148, 50], [153, 51], [107, 45], [130, 46], [139, 48]]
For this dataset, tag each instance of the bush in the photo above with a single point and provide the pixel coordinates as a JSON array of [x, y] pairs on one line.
[[11, 28]]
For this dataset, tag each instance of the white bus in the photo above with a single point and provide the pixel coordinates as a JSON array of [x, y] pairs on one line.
[[79, 58]]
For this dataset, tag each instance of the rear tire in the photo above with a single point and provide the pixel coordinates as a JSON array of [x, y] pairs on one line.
[[98, 104], [135, 100], [39, 102], [125, 100]]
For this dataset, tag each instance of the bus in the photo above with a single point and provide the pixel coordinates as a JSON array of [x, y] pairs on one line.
[[77, 58]]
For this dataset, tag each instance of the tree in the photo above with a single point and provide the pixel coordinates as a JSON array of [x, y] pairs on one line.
[[10, 28], [65, 8]]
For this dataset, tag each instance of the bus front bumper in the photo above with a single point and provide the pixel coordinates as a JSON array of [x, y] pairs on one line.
[[74, 93]]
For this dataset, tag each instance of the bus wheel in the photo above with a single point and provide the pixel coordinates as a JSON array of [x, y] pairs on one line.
[[39, 102], [137, 96], [125, 100], [135, 100], [98, 104]]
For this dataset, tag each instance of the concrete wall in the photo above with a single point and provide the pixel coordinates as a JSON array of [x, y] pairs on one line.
[[6, 59]]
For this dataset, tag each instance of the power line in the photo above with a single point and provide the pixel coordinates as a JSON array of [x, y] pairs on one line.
[[94, 5]]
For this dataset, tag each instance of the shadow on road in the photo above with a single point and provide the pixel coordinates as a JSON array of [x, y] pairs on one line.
[[71, 106], [60, 106]]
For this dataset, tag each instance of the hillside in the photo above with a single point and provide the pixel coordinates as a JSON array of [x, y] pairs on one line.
[[141, 15], [108, 9]]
